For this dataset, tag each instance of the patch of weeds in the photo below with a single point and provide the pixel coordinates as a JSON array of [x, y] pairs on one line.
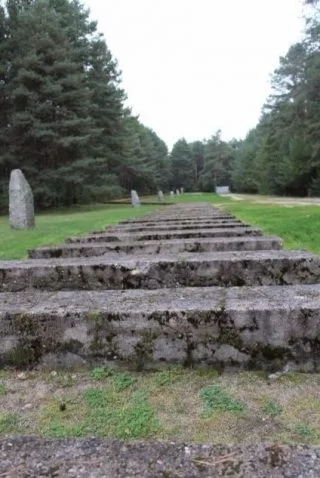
[[122, 381], [96, 398], [9, 423], [3, 389], [101, 373], [58, 429], [167, 376], [272, 408], [306, 431], [138, 419], [64, 380], [94, 315], [210, 373], [295, 378], [216, 399], [111, 415]]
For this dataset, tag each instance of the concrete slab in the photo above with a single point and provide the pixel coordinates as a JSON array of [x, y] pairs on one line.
[[176, 226], [100, 457], [162, 271], [256, 327], [161, 235], [175, 246]]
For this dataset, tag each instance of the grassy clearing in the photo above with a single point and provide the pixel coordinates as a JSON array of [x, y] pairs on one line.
[[173, 404], [298, 226], [54, 228]]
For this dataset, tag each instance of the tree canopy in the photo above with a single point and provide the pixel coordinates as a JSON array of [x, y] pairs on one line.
[[63, 118]]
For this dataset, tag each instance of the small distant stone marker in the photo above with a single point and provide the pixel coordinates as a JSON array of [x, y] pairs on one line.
[[171, 194], [135, 200], [177, 192], [21, 206], [160, 196], [181, 190], [222, 190]]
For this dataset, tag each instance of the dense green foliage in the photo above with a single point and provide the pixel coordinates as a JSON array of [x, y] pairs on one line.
[[282, 154], [62, 115], [202, 165], [64, 122]]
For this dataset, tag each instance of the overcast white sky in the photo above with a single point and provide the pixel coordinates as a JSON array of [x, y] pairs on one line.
[[191, 67]]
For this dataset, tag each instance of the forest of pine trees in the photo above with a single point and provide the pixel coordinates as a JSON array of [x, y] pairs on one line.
[[64, 122], [62, 114]]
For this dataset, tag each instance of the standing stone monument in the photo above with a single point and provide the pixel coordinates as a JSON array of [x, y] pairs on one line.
[[135, 200], [21, 206], [181, 190], [177, 192], [160, 196], [172, 194]]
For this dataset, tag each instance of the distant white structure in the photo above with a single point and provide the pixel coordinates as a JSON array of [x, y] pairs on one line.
[[135, 200], [222, 190], [181, 190], [177, 192], [160, 196], [172, 194]]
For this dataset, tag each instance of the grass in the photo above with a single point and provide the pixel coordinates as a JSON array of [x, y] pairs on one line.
[[297, 225], [173, 404], [55, 227], [216, 399]]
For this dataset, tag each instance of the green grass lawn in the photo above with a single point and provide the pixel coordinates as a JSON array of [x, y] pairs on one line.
[[55, 227], [298, 226]]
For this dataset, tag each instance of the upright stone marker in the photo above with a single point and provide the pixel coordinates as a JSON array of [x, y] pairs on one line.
[[160, 196], [21, 207], [172, 194], [135, 200], [181, 190], [177, 192]]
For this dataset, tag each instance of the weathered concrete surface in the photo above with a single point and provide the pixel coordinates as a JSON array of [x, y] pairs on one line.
[[184, 220], [176, 226], [174, 246], [258, 327], [161, 235], [32, 457], [162, 271], [21, 207]]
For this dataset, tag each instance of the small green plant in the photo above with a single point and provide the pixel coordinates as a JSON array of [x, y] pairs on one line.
[[94, 315], [122, 381], [109, 414], [167, 376], [305, 431], [3, 389], [272, 408], [138, 419], [216, 399], [101, 373], [9, 423]]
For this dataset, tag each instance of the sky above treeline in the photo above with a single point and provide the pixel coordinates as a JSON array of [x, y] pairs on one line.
[[191, 67]]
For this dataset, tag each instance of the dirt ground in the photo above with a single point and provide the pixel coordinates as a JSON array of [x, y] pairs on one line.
[[174, 404]]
